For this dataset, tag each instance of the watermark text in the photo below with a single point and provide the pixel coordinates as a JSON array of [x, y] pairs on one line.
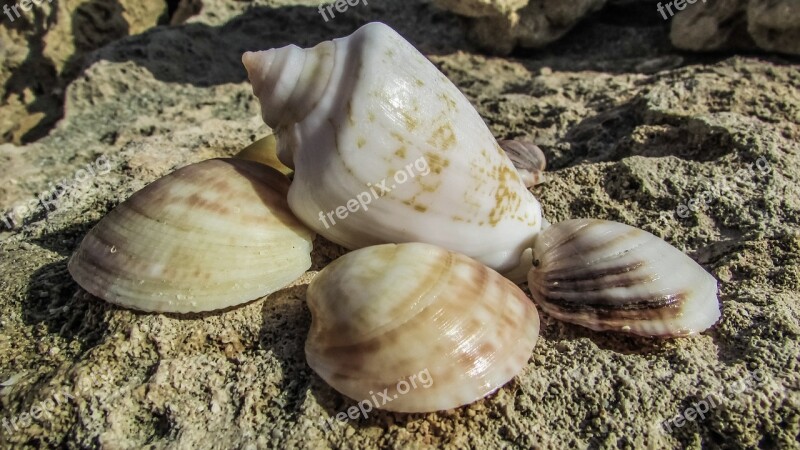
[[365, 198], [379, 399], [340, 5], [679, 5]]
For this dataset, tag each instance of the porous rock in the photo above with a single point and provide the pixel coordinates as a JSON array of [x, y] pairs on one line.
[[771, 25]]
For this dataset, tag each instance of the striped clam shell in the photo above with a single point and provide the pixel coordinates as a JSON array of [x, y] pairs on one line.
[[208, 236], [383, 314], [610, 276], [528, 159]]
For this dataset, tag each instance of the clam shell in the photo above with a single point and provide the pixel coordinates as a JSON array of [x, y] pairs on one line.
[[610, 276], [386, 149], [208, 236], [383, 314], [528, 158]]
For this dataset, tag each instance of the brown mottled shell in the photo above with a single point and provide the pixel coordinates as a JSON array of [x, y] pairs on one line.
[[388, 313], [528, 158], [610, 276], [208, 236]]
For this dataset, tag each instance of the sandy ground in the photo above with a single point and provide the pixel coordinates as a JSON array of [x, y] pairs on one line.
[[632, 129]]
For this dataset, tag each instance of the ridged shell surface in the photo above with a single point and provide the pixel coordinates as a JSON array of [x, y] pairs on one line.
[[610, 276], [528, 158], [383, 314], [208, 236], [386, 149]]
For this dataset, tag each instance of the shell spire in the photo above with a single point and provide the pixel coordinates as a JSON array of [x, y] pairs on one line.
[[528, 158], [289, 81]]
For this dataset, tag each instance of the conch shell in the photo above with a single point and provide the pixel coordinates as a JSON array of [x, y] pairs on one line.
[[610, 276], [208, 236], [386, 149], [383, 314]]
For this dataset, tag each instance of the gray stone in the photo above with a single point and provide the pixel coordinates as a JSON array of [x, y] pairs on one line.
[[500, 28], [771, 25], [775, 25]]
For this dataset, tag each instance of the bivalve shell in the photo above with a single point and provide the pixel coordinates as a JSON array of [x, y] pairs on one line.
[[208, 236], [528, 158], [383, 314], [610, 276]]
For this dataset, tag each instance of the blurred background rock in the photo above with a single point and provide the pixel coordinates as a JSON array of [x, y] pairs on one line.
[[44, 49], [502, 25]]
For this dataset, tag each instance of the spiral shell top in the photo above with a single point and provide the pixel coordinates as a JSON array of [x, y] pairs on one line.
[[610, 276], [384, 313], [386, 149], [208, 236]]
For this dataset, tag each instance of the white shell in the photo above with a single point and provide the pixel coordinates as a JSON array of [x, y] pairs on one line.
[[208, 236], [386, 149], [610, 276], [384, 314]]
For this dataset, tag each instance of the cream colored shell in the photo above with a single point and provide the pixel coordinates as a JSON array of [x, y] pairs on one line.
[[383, 314], [386, 149], [208, 236], [528, 158], [610, 276]]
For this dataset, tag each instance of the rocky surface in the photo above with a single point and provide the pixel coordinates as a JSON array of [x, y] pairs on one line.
[[481, 8], [633, 131], [772, 25], [503, 25], [43, 50], [775, 25], [712, 26]]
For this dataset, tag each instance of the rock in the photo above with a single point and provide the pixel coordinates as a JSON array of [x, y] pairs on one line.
[[501, 25], [719, 25], [771, 25], [775, 25], [481, 8], [185, 10], [536, 25], [44, 48]]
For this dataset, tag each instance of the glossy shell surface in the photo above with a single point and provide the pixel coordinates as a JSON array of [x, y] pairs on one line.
[[208, 236], [383, 314]]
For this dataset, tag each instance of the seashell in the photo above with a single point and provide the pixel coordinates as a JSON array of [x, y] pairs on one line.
[[610, 276], [528, 158], [382, 314], [265, 151], [208, 236], [386, 149]]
